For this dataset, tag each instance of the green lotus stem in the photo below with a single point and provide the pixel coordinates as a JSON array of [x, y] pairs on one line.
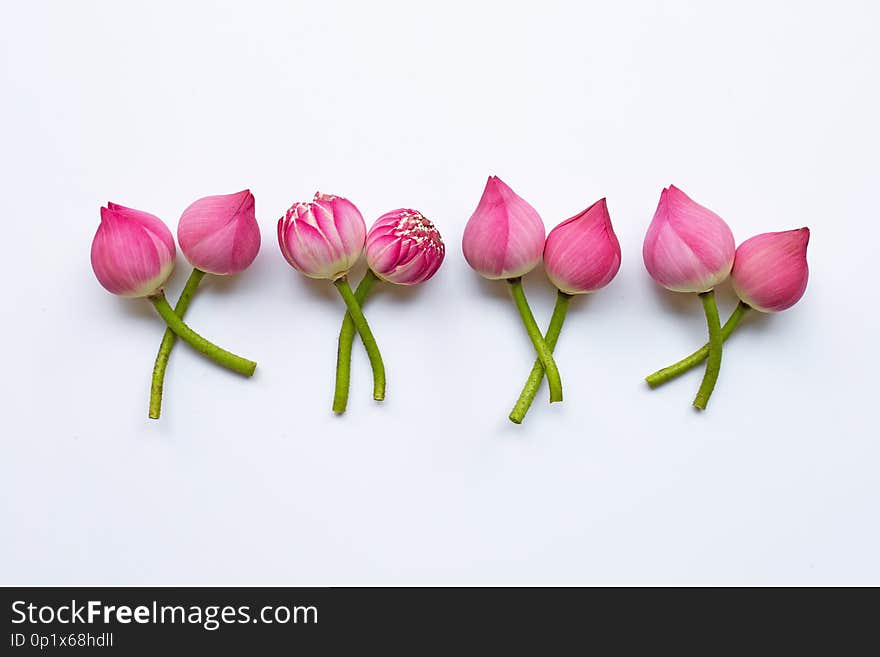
[[217, 354], [168, 341], [685, 364], [360, 323], [713, 362], [530, 389], [544, 354], [346, 340]]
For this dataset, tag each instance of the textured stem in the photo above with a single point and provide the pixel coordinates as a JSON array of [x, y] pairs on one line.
[[668, 373], [530, 389], [544, 355], [346, 339], [713, 362], [168, 341], [197, 342], [360, 323]]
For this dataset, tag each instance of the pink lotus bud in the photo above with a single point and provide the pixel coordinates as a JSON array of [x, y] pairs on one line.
[[582, 254], [688, 248], [504, 238], [404, 247], [770, 270], [132, 252], [220, 234], [323, 238]]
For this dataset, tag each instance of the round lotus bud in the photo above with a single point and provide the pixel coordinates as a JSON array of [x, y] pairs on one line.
[[504, 238], [688, 248], [323, 238], [582, 254], [132, 252], [770, 270], [404, 247], [220, 234]]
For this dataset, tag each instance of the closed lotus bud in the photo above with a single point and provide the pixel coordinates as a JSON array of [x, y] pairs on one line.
[[220, 234], [504, 238], [323, 238], [770, 270], [404, 247], [582, 254], [688, 248], [132, 252]]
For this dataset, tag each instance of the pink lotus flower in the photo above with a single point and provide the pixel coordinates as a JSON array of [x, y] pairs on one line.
[[132, 252], [582, 254], [770, 270], [220, 234], [323, 238], [404, 247], [688, 248], [504, 238]]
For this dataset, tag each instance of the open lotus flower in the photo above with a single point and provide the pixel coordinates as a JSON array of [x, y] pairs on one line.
[[689, 248], [581, 255], [132, 252], [132, 256], [770, 271], [404, 248], [324, 239], [504, 239], [218, 235]]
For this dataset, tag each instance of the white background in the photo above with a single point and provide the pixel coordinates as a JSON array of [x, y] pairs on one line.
[[764, 111]]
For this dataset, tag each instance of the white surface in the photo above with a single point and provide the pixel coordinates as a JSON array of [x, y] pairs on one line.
[[765, 112]]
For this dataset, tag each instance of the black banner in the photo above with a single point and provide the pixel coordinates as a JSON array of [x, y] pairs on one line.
[[133, 621]]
